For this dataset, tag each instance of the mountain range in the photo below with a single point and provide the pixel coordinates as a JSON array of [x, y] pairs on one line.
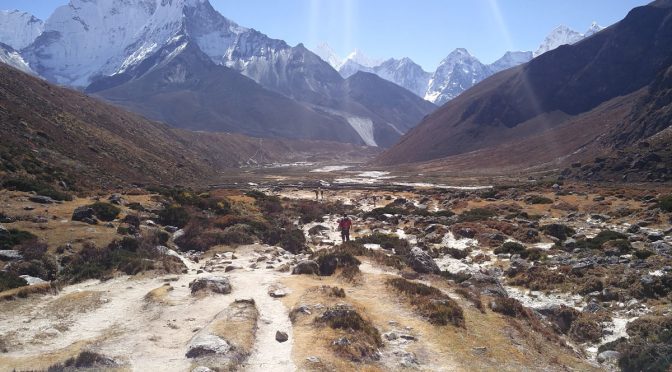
[[456, 73], [124, 45], [574, 103]]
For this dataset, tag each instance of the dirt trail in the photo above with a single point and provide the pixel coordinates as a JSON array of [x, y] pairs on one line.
[[151, 336]]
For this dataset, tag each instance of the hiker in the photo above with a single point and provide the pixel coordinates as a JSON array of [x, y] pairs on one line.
[[344, 224], [374, 200], [317, 193], [322, 195]]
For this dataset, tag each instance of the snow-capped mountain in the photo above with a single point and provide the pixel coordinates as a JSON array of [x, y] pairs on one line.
[[103, 44], [455, 74], [563, 35], [509, 60], [11, 57], [324, 51], [405, 73], [19, 29]]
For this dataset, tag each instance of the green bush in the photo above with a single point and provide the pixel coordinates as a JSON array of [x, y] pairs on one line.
[[14, 237], [601, 238], [10, 281], [41, 188], [430, 302], [174, 215], [105, 211], [237, 235], [390, 242], [538, 199], [510, 248], [665, 203], [476, 214], [293, 241]]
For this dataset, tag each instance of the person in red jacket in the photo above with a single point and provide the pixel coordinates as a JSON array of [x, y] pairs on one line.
[[344, 224]]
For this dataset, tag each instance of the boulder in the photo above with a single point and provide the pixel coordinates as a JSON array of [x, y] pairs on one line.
[[610, 356], [84, 214], [41, 199], [215, 284], [306, 267], [10, 255], [281, 336], [422, 262], [207, 344]]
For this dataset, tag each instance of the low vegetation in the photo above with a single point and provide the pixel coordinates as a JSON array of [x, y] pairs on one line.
[[36, 186], [430, 302], [648, 347]]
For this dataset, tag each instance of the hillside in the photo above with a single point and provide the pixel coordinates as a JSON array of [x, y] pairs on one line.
[[57, 134], [545, 110]]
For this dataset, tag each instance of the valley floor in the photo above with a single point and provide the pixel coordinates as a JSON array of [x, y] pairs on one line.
[[159, 321]]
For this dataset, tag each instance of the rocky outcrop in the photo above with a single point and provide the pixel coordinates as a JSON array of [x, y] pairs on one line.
[[422, 262], [213, 284]]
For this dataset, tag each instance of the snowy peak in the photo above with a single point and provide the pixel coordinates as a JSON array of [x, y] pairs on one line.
[[509, 60], [11, 57], [358, 57], [593, 29], [327, 54], [563, 35], [19, 29], [457, 72]]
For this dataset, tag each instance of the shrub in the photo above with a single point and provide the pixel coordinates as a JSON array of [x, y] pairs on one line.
[[41, 188], [587, 327], [174, 215], [10, 281], [533, 254], [12, 237], [129, 255], [293, 240], [268, 204], [430, 302], [665, 203], [85, 360], [510, 248], [105, 211], [601, 238], [237, 235], [649, 346], [538, 199], [390, 242], [476, 214], [311, 211], [363, 338], [330, 261], [559, 231], [456, 253]]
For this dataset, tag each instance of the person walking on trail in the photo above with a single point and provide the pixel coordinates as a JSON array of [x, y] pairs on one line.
[[344, 224], [374, 200], [317, 193], [321, 194]]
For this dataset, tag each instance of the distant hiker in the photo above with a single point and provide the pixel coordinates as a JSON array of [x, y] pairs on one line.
[[344, 224], [374, 200], [322, 194], [317, 193]]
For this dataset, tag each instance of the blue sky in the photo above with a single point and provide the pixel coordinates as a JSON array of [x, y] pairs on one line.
[[424, 30]]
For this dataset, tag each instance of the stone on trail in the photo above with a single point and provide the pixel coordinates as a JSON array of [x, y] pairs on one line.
[[215, 284], [281, 336], [307, 267]]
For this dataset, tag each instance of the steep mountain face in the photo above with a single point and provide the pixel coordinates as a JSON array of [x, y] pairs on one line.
[[405, 73], [181, 86], [397, 110], [455, 74], [19, 29], [550, 104], [11, 57]]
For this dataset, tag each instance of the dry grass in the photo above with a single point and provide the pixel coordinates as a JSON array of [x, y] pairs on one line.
[[74, 303], [160, 295], [29, 290], [239, 326], [430, 302]]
